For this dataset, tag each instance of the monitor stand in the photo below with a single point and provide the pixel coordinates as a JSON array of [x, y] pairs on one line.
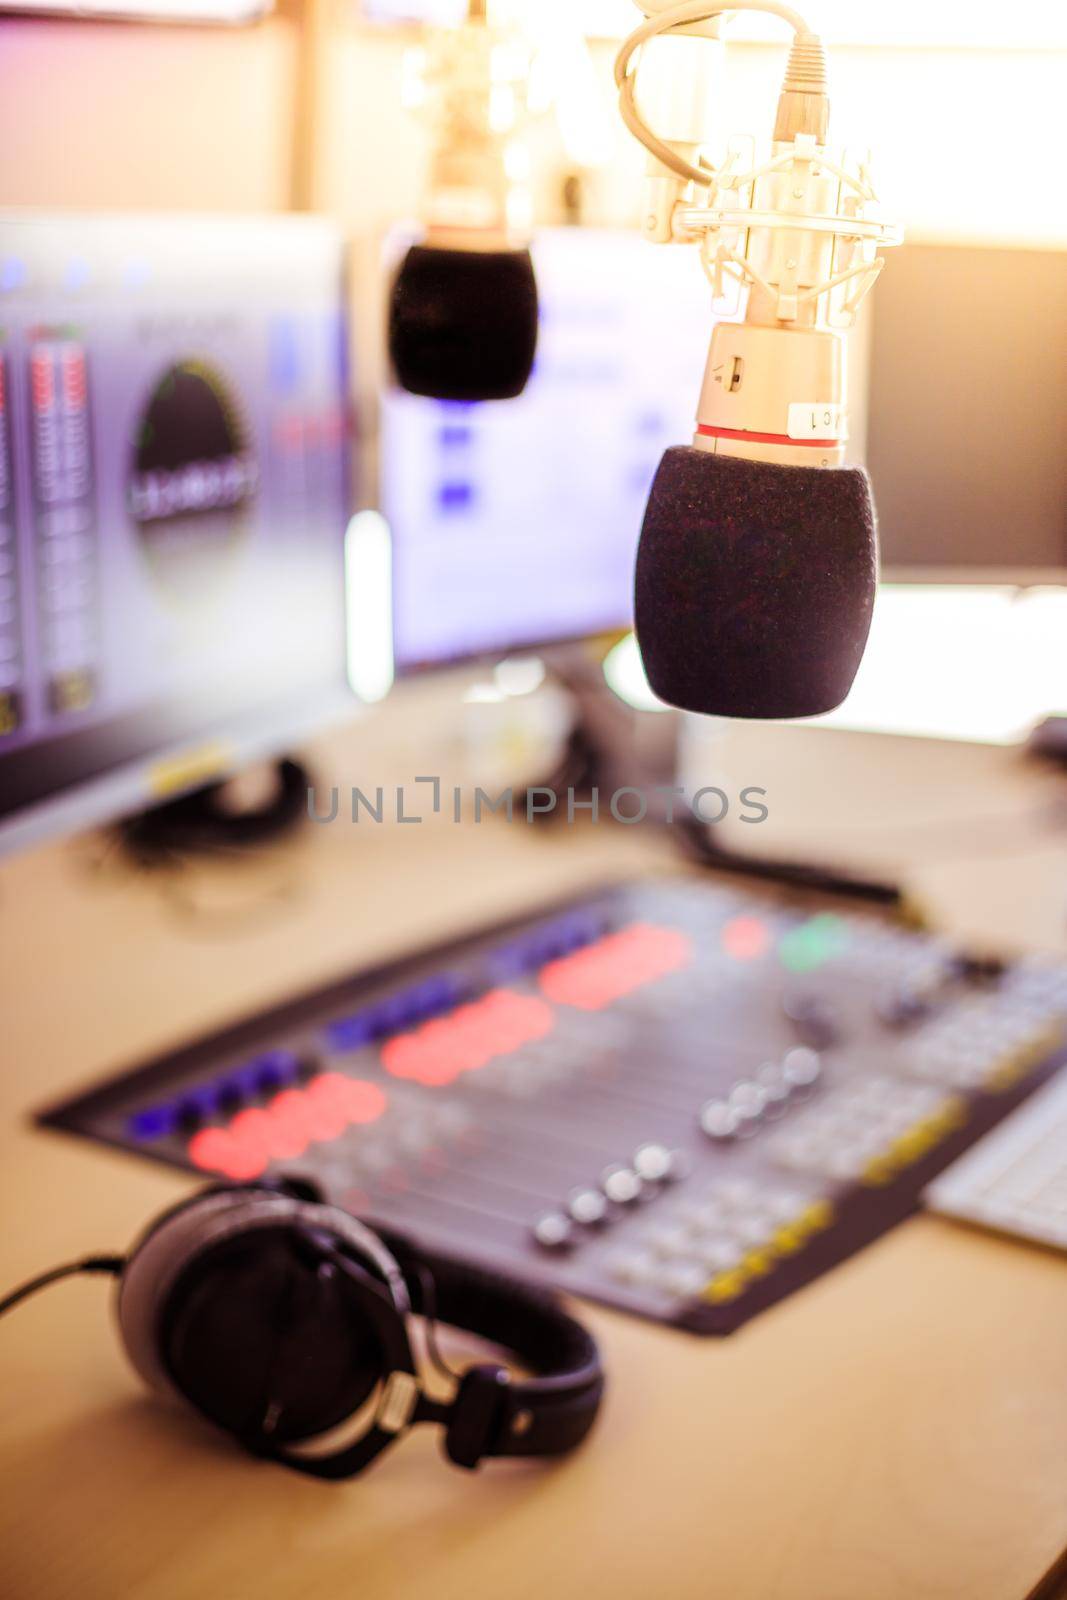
[[254, 807], [611, 747]]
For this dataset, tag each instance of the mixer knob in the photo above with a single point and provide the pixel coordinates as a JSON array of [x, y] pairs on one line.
[[684, 1279], [900, 1007], [719, 1119], [915, 996], [801, 1067], [656, 1164], [772, 1080], [813, 1018], [588, 1207], [667, 1239], [554, 1231], [749, 1100], [632, 1266], [718, 1254], [681, 1165], [621, 1184]]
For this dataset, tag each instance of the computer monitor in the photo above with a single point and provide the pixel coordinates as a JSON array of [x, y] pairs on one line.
[[966, 400], [174, 493], [967, 413], [515, 523]]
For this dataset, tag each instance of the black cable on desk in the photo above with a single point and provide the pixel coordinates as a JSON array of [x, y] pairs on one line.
[[697, 841], [109, 1264]]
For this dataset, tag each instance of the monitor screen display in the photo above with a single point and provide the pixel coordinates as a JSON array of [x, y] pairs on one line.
[[174, 491], [515, 523]]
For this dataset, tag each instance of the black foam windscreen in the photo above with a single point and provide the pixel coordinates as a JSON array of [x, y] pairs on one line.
[[463, 323], [755, 584]]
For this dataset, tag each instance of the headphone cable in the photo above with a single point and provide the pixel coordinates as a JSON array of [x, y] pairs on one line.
[[428, 1312], [108, 1264]]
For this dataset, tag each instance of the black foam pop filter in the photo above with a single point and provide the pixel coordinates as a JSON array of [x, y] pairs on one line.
[[463, 323], [265, 1343], [755, 584]]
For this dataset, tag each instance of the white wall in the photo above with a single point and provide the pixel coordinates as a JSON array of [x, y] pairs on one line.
[[963, 141], [96, 114], [103, 115]]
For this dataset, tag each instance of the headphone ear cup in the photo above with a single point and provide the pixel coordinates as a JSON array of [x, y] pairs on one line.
[[266, 1338]]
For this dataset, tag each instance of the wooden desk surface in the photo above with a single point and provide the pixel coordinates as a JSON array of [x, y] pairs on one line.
[[897, 1430]]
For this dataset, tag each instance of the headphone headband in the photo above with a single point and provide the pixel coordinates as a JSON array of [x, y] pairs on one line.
[[492, 1413]]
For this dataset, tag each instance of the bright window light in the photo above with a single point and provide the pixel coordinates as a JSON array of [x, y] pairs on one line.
[[971, 662], [229, 11], [624, 674], [1025, 24], [369, 605], [962, 24]]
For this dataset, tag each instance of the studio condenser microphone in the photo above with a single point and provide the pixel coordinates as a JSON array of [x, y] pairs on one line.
[[463, 312], [757, 564]]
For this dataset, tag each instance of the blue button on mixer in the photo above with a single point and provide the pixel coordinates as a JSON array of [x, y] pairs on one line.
[[349, 1033], [275, 1068], [200, 1102], [244, 1081], [153, 1122]]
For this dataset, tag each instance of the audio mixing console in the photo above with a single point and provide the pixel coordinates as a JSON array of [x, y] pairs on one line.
[[674, 1097]]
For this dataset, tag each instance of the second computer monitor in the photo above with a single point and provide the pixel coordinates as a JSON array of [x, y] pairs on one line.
[[174, 494], [515, 523], [967, 423]]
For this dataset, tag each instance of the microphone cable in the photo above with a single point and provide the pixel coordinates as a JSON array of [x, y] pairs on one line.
[[665, 22]]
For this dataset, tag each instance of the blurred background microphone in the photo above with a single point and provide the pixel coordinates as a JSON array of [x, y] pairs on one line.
[[463, 312], [757, 564]]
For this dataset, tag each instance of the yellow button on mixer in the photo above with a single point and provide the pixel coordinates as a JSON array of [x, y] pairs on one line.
[[789, 1239], [726, 1286], [757, 1263], [816, 1217]]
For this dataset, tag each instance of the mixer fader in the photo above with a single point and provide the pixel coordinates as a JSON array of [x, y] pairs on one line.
[[671, 1096]]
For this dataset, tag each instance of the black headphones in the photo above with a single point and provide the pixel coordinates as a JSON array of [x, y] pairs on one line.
[[281, 1318], [202, 821]]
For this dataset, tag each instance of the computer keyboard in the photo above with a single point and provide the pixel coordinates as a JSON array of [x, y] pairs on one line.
[[1015, 1179]]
